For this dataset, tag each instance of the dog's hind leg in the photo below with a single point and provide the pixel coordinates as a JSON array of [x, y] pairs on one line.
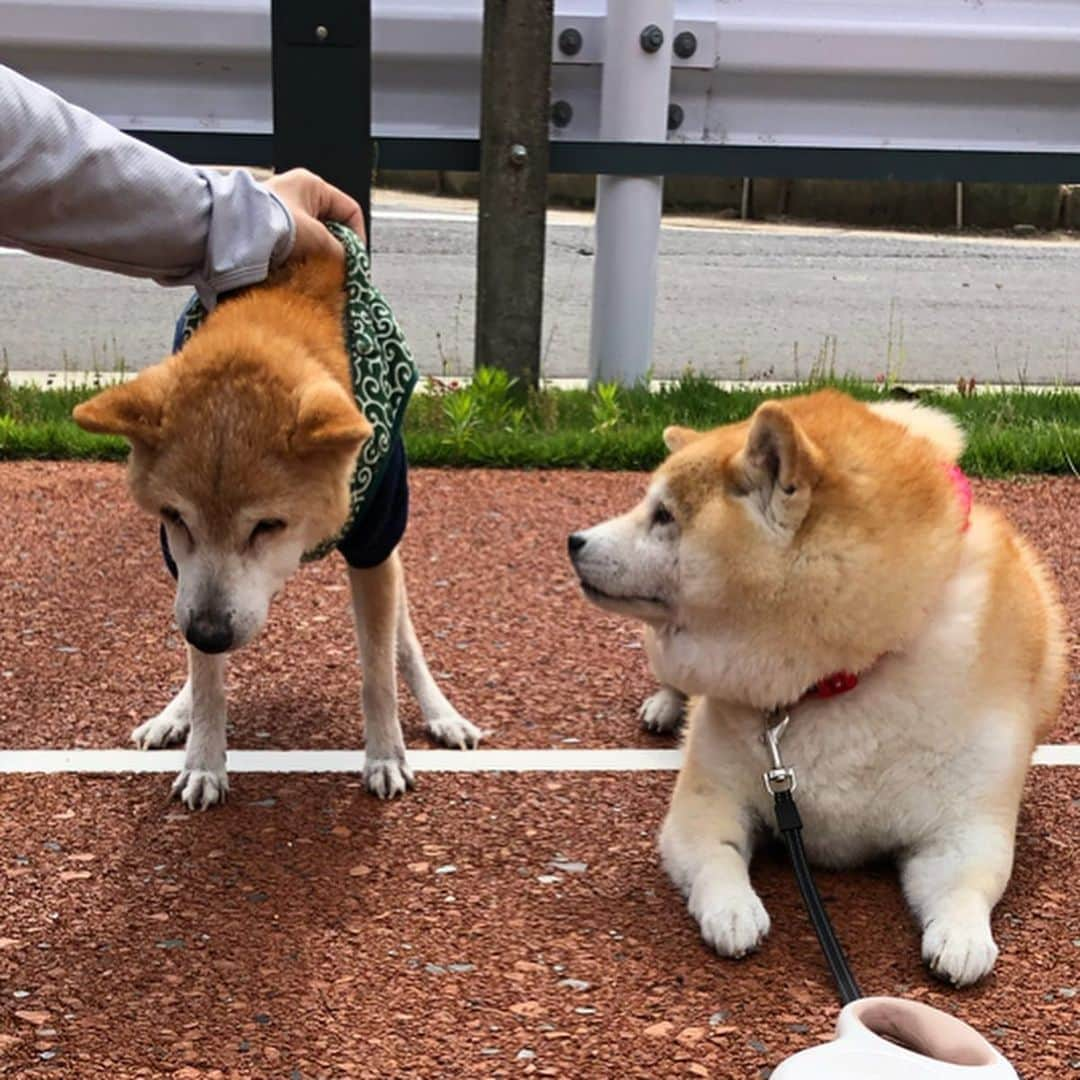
[[443, 722], [952, 883], [376, 605], [171, 725], [203, 780]]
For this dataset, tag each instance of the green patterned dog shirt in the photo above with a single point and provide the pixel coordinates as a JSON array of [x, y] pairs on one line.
[[383, 374]]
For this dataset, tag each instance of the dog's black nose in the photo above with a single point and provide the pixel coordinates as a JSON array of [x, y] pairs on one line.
[[575, 542], [210, 633]]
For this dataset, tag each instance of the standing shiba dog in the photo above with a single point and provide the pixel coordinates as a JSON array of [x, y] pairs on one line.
[[825, 541], [244, 443]]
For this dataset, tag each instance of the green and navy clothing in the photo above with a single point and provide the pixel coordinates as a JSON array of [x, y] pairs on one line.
[[383, 377]]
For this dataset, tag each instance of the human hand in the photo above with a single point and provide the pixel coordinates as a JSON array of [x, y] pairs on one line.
[[311, 201]]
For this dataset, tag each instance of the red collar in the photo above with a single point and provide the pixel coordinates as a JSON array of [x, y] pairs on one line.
[[840, 682]]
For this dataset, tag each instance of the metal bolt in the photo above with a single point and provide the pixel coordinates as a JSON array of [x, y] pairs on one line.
[[562, 112], [570, 42], [674, 117], [652, 38], [322, 33], [518, 154], [685, 45]]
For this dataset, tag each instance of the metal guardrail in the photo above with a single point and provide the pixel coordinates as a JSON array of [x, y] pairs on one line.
[[928, 89], [923, 90]]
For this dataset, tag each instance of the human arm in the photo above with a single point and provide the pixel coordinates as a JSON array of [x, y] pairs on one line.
[[75, 188]]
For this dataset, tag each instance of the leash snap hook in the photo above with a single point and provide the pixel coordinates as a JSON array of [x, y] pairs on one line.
[[779, 777]]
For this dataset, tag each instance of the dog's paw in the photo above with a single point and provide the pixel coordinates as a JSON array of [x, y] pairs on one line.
[[663, 713], [454, 731], [732, 919], [199, 789], [168, 727], [959, 952], [387, 778]]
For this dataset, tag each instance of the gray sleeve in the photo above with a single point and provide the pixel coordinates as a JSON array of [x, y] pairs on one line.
[[72, 187]]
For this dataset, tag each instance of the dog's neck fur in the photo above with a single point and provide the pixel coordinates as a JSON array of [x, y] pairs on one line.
[[754, 675]]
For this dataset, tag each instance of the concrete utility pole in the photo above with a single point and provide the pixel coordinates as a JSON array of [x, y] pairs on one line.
[[515, 106]]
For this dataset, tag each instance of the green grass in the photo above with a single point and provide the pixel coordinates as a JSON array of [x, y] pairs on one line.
[[489, 423]]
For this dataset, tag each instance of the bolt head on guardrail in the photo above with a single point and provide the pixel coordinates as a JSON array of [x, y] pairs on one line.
[[652, 38], [570, 42], [518, 155], [321, 33], [684, 45], [562, 112]]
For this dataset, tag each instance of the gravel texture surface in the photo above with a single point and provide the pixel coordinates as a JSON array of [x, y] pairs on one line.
[[484, 926], [88, 650]]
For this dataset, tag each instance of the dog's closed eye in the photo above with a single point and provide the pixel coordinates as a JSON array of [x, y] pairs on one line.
[[266, 527], [174, 517]]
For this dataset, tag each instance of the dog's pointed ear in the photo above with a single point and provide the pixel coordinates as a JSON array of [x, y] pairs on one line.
[[781, 464], [675, 437], [327, 418], [132, 409]]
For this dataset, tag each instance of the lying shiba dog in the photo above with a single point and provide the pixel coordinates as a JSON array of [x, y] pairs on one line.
[[828, 542], [247, 444]]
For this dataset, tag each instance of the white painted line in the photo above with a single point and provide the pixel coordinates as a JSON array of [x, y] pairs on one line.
[[555, 218], [421, 215], [328, 761], [1057, 754], [352, 761]]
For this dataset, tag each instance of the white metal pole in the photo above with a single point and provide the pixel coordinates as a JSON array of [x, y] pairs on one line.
[[634, 108]]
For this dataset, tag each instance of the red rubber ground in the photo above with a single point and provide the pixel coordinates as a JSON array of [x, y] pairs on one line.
[[87, 647], [485, 925], [306, 929]]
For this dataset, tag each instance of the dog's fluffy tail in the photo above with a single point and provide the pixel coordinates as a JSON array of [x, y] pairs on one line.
[[931, 424]]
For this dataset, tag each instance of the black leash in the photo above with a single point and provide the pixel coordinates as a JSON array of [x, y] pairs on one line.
[[780, 782]]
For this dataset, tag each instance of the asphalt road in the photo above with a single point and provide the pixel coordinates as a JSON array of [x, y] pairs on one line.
[[734, 301]]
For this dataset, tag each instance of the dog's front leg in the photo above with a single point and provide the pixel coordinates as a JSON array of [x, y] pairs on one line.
[[706, 846], [663, 712], [203, 781], [375, 596], [169, 726], [952, 883]]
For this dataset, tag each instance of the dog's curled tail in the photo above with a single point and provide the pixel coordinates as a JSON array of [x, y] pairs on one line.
[[937, 427]]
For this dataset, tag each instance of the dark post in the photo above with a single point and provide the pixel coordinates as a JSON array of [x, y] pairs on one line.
[[513, 185], [322, 91]]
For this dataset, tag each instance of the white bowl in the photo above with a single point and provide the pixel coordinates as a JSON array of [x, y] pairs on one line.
[[890, 1039]]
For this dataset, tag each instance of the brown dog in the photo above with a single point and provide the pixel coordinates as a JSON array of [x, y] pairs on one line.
[[244, 444], [822, 559]]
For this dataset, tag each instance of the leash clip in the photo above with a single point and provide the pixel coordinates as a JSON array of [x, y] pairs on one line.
[[780, 777]]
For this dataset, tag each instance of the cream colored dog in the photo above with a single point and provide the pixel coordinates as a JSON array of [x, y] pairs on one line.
[[825, 536]]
